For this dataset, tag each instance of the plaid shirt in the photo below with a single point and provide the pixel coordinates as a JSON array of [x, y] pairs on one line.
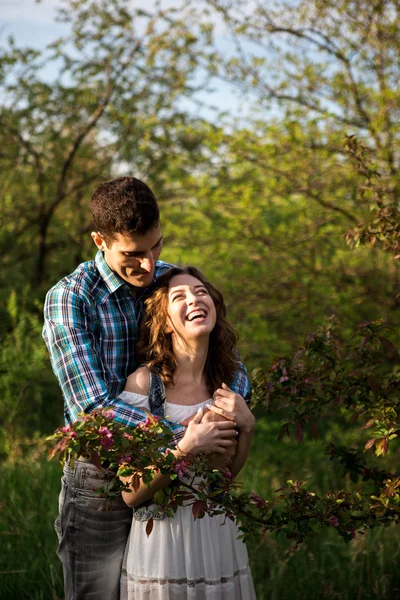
[[91, 325]]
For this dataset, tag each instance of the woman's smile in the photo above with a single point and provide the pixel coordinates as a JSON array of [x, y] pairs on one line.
[[199, 314], [191, 309]]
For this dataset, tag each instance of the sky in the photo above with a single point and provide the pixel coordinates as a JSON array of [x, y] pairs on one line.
[[33, 24]]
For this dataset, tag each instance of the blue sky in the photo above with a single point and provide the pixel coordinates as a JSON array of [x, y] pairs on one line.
[[32, 23]]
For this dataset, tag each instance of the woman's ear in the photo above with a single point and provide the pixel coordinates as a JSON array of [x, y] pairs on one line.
[[168, 327]]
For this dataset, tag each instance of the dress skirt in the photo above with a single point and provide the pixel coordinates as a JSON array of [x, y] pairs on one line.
[[186, 558]]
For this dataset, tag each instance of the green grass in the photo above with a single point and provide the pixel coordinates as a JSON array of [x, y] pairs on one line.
[[326, 567], [29, 567], [365, 569]]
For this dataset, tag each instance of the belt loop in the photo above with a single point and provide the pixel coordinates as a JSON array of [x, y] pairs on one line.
[[82, 476]]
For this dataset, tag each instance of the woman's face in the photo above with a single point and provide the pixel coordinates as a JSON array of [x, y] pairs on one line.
[[191, 310]]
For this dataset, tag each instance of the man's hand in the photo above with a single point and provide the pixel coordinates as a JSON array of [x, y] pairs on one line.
[[230, 405]]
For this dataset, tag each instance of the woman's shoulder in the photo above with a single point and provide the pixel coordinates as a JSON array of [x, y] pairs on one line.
[[138, 382]]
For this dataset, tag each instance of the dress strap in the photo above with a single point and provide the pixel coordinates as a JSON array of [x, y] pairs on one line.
[[157, 396]]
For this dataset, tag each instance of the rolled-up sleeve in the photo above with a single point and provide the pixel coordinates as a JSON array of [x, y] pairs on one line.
[[241, 383]]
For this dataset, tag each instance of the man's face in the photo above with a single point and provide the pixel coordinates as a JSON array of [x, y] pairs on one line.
[[132, 256]]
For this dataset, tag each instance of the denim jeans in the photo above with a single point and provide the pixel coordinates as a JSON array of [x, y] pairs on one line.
[[92, 534]]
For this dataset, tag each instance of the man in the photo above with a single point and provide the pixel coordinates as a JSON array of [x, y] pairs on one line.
[[91, 327]]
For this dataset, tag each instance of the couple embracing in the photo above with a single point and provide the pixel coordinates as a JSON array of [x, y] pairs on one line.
[[130, 331]]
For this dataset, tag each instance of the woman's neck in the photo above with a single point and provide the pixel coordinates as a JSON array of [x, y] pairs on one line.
[[191, 360]]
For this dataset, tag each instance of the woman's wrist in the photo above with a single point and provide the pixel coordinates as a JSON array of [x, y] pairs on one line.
[[184, 448], [181, 450], [249, 426]]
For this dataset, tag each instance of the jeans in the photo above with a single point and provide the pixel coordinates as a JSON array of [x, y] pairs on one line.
[[92, 534]]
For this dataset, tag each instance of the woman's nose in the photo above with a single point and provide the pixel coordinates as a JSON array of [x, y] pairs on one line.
[[191, 298]]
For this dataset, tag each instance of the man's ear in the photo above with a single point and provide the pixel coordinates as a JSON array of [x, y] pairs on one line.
[[98, 240]]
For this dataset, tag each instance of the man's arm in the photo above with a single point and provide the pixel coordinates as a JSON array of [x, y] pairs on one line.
[[241, 383], [70, 339]]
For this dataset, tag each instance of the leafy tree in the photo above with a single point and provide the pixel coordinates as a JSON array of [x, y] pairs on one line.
[[112, 106], [334, 64], [120, 74], [277, 257]]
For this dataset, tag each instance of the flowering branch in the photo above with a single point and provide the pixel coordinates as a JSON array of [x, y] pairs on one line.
[[325, 374]]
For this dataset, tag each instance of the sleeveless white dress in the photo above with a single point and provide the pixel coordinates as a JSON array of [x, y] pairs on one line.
[[183, 558]]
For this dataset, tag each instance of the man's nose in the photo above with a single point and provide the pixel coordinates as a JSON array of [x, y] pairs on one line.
[[147, 263]]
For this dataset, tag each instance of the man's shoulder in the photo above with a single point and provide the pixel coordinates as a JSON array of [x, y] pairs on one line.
[[161, 267], [83, 282]]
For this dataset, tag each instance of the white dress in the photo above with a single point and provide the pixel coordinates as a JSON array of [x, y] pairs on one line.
[[183, 558]]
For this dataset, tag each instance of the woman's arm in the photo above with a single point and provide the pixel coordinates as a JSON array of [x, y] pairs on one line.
[[232, 406], [199, 437], [242, 453], [134, 498], [216, 437]]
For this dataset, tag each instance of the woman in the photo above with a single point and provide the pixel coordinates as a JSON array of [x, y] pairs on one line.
[[189, 352]]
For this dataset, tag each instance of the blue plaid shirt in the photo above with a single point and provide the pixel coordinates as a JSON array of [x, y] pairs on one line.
[[91, 325]]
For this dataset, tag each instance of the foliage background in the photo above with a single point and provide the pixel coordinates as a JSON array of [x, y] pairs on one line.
[[260, 199]]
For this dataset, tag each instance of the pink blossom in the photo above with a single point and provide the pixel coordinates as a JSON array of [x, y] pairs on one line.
[[284, 376], [106, 438], [106, 412], [259, 502], [181, 467], [144, 426], [105, 432], [125, 458], [68, 429], [128, 436], [334, 521]]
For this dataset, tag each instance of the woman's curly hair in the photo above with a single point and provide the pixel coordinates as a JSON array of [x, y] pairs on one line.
[[155, 345]]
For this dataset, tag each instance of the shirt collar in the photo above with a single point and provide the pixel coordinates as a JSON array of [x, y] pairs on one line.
[[113, 282], [111, 279]]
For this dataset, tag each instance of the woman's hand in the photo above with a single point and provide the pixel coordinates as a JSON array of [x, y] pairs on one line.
[[208, 437], [232, 406], [219, 461]]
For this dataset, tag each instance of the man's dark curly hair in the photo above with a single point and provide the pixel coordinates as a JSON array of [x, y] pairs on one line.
[[123, 205]]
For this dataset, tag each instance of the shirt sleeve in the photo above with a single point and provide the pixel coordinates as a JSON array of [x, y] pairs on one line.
[[70, 339], [241, 383]]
